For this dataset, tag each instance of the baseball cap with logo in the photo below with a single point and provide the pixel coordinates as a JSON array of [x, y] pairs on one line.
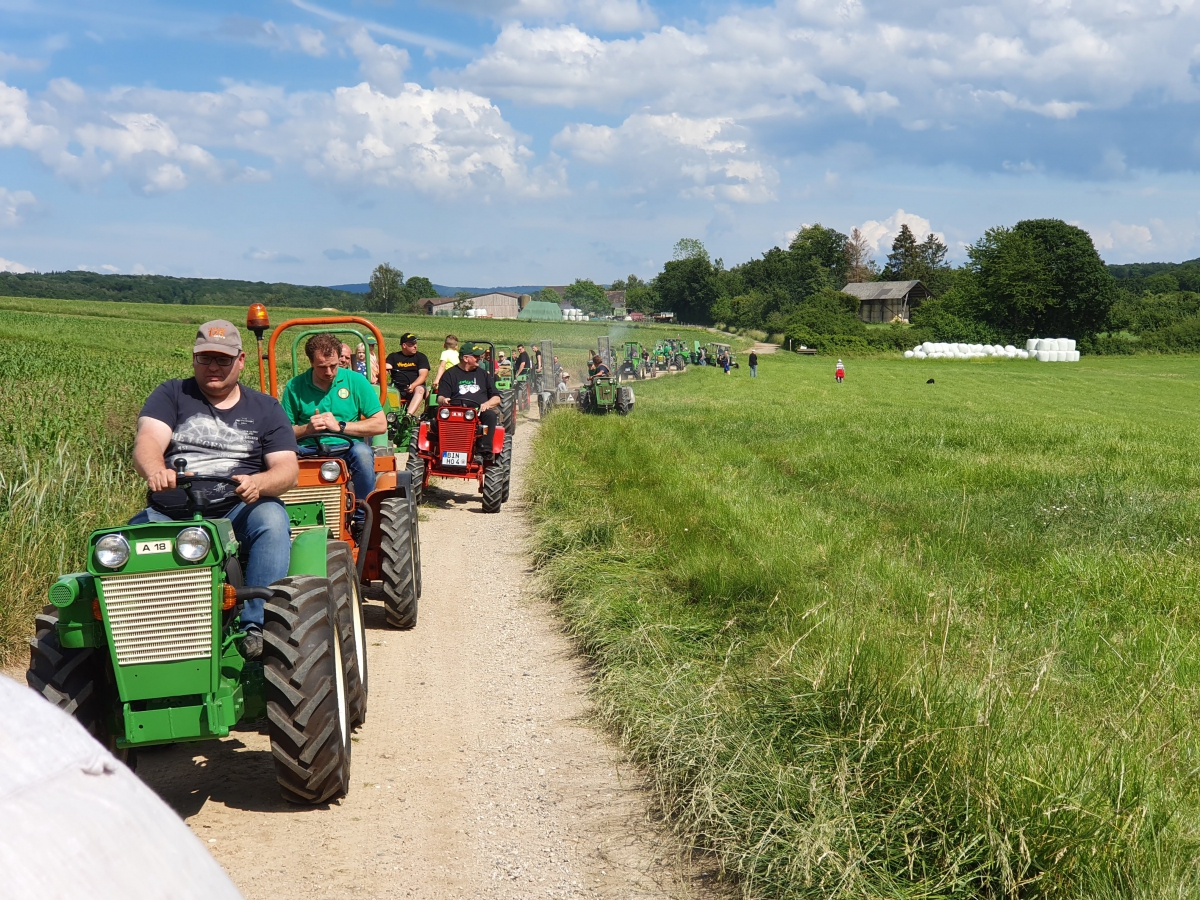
[[408, 338], [470, 350], [218, 336]]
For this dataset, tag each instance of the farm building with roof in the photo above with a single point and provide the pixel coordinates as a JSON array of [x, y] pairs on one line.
[[883, 301], [499, 304]]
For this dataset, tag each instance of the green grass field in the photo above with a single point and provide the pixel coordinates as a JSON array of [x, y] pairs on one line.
[[898, 639], [73, 375]]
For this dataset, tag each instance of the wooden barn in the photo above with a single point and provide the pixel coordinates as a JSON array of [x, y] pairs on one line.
[[883, 301]]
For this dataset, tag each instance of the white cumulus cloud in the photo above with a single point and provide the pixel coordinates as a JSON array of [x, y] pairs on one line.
[[11, 203], [7, 265], [698, 157], [881, 234]]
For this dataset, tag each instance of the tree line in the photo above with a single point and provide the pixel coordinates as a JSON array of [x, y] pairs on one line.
[[1040, 277], [168, 289]]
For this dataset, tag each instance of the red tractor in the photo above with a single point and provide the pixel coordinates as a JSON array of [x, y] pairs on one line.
[[454, 442]]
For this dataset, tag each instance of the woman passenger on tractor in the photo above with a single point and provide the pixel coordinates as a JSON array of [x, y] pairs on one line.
[[598, 368], [335, 411]]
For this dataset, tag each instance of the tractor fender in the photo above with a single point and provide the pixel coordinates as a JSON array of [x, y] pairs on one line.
[[309, 553], [498, 439], [398, 484], [423, 437]]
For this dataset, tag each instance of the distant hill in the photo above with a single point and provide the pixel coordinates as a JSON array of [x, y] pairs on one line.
[[165, 289], [1158, 277], [445, 290]]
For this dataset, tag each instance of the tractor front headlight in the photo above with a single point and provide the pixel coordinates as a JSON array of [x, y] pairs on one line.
[[112, 551], [193, 544], [469, 415], [391, 418], [443, 413], [330, 471]]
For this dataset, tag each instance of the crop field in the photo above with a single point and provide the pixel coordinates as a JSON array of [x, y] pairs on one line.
[[73, 375], [898, 639]]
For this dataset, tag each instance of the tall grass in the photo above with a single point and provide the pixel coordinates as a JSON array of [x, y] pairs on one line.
[[890, 639]]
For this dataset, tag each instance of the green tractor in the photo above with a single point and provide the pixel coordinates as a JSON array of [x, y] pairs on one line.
[[660, 358], [632, 365], [142, 647], [677, 352], [603, 394]]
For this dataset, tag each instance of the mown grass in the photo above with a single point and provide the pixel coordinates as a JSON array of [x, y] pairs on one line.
[[898, 639], [73, 375]]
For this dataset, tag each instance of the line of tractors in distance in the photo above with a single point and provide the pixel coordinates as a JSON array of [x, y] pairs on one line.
[[143, 646]]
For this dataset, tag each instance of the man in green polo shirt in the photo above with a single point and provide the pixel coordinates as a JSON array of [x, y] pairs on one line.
[[330, 407]]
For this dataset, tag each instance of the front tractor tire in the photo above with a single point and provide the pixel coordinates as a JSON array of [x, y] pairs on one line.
[[415, 466], [73, 680], [397, 522], [624, 400], [308, 711], [495, 483]]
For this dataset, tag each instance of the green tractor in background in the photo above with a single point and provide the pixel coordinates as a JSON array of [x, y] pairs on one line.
[[677, 354], [603, 394], [660, 357], [695, 354], [631, 366]]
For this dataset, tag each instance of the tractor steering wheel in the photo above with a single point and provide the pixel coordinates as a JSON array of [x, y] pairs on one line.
[[197, 502]]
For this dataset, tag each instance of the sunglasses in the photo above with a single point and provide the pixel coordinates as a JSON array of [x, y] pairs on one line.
[[220, 359]]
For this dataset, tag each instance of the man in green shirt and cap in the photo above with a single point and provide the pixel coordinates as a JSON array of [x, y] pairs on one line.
[[334, 410]]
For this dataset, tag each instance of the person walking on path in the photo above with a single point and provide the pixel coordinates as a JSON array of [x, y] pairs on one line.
[[840, 372], [753, 364]]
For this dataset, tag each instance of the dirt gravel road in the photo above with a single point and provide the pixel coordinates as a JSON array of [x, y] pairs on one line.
[[477, 773]]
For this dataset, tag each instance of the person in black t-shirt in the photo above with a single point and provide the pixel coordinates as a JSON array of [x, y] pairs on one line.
[[409, 370], [468, 384], [218, 427], [521, 362]]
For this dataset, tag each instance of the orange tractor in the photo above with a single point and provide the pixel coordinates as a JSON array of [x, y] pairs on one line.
[[384, 538]]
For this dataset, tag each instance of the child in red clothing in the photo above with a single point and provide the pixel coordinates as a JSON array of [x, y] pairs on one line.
[[840, 374]]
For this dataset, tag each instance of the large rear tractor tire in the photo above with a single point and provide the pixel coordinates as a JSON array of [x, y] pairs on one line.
[[344, 587], [508, 411], [416, 545], [397, 520], [76, 681], [307, 710]]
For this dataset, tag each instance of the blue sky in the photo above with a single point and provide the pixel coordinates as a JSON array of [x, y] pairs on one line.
[[537, 141]]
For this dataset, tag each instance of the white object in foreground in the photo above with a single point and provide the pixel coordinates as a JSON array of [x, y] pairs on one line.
[[74, 822]]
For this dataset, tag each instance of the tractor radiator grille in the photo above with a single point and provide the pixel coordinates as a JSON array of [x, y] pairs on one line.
[[329, 496], [160, 616], [456, 435]]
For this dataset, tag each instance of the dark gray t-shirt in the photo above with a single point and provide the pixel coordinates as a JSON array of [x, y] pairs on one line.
[[213, 441]]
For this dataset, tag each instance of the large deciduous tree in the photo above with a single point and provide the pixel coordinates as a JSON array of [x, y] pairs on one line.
[[1041, 278], [588, 296], [686, 287], [386, 291]]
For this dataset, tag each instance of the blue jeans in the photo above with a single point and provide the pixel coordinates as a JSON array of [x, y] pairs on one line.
[[263, 528], [754, 371], [360, 459]]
